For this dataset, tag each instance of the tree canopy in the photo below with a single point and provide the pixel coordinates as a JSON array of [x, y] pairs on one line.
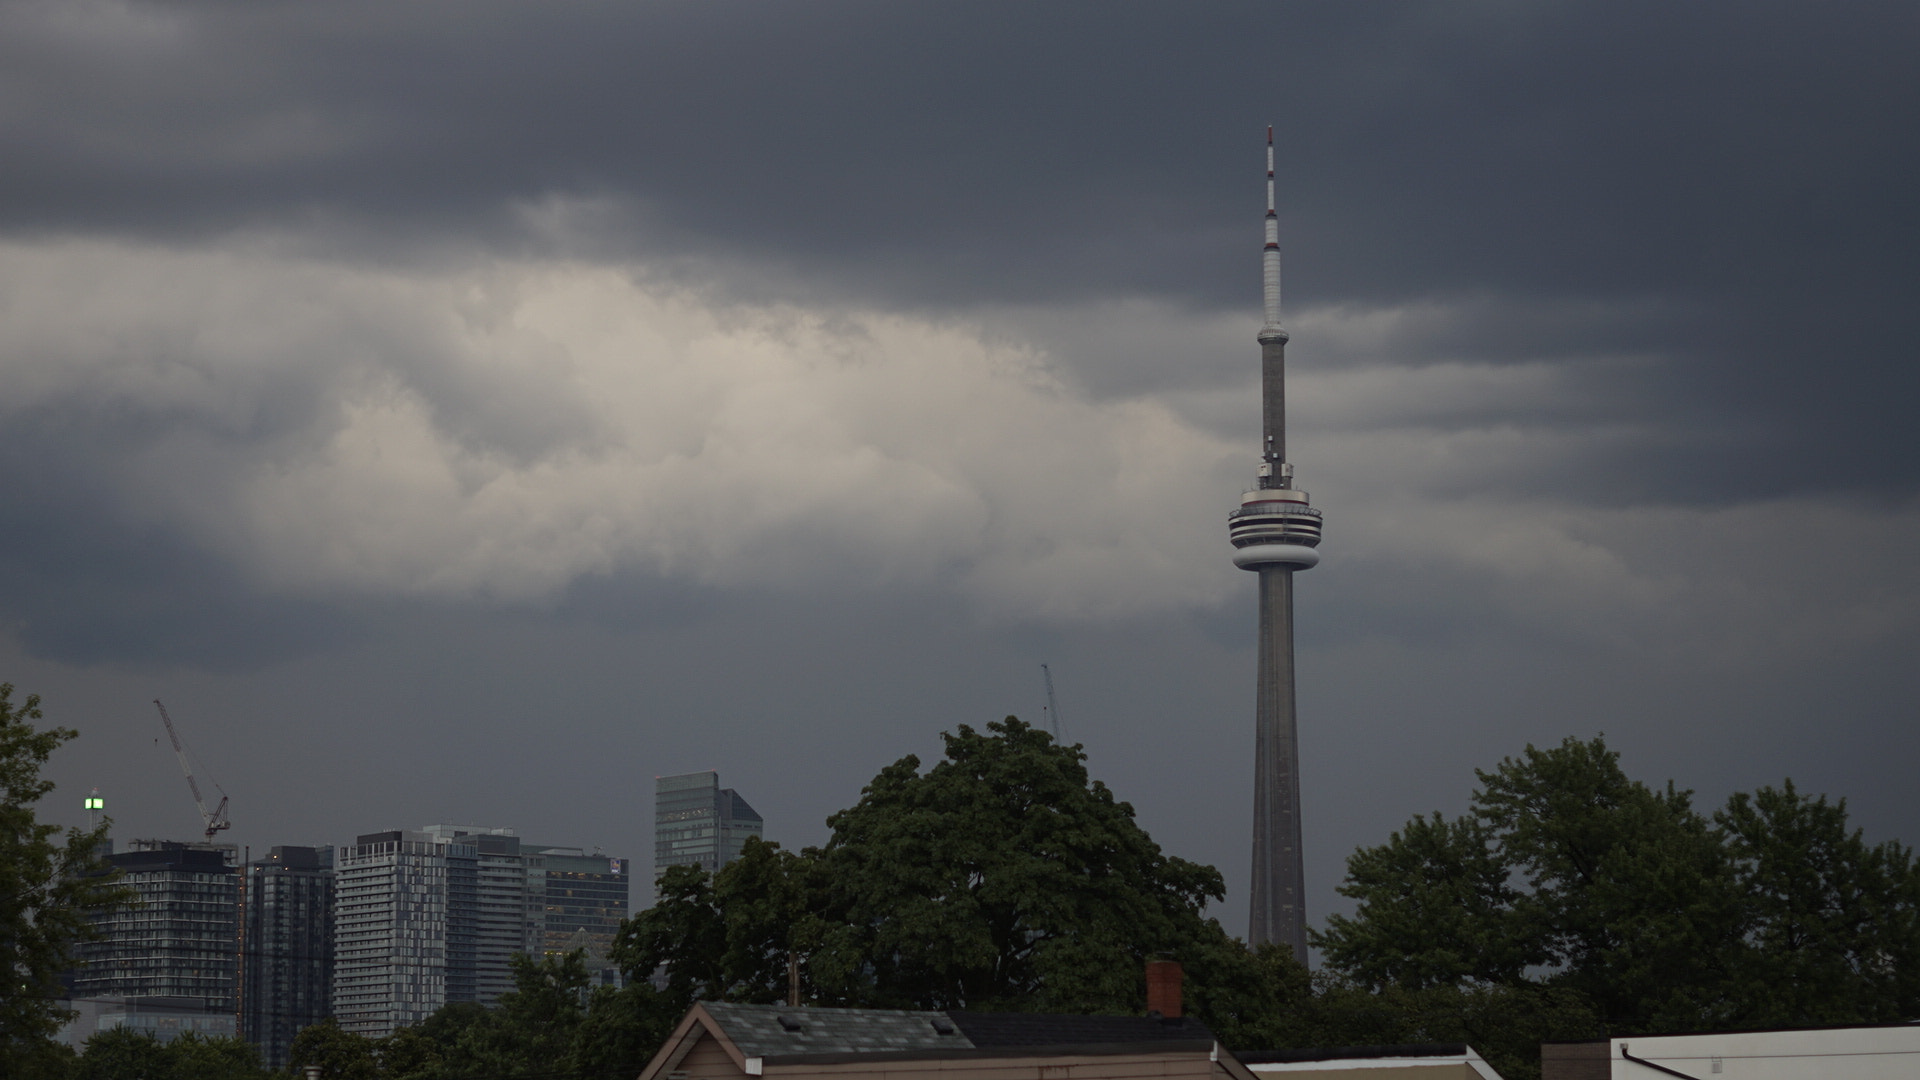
[[1566, 874], [48, 886], [1000, 878]]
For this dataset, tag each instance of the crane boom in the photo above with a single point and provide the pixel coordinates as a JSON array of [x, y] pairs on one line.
[[1053, 707], [216, 820]]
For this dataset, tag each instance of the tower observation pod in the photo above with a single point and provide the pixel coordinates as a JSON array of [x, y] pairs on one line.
[[1274, 533]]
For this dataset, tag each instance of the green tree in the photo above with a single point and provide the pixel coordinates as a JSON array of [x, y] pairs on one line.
[[196, 1057], [771, 904], [532, 1028], [621, 1030], [1437, 907], [1631, 894], [1630, 907], [1001, 878], [122, 1054], [1831, 924], [341, 1055], [48, 889], [137, 1055], [683, 936]]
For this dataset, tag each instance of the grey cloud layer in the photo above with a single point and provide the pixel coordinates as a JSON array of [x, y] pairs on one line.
[[1722, 186]]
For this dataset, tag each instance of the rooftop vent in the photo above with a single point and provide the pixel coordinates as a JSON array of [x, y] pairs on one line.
[[791, 1023], [942, 1026]]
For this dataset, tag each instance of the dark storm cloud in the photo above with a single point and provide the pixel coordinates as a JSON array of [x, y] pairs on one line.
[[1744, 168], [1551, 147], [89, 584]]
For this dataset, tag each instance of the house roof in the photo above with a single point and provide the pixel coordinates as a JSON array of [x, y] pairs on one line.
[[1331, 1053], [759, 1036], [1444, 1059], [1051, 1029], [765, 1031], [779, 1031]]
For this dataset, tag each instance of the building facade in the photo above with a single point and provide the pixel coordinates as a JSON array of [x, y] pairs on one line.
[[498, 911], [583, 899], [286, 951], [392, 965], [434, 917], [180, 941], [164, 1018], [696, 822]]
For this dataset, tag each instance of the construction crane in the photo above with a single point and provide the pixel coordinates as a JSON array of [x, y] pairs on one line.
[[1053, 706], [217, 819]]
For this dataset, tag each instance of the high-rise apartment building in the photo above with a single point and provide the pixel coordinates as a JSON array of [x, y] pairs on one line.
[[391, 958], [286, 955], [505, 916], [179, 941], [696, 822], [434, 917]]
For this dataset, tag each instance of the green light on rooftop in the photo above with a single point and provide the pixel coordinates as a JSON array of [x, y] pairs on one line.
[[95, 802]]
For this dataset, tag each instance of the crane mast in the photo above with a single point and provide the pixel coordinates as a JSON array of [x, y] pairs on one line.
[[217, 819]]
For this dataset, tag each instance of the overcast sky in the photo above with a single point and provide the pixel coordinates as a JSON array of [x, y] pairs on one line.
[[468, 413]]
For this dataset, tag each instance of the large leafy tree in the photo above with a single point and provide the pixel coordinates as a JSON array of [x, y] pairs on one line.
[[48, 887], [1002, 877], [123, 1054], [1568, 875], [340, 1054], [1830, 924]]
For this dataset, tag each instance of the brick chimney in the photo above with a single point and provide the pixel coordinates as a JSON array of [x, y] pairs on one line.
[[1163, 988]]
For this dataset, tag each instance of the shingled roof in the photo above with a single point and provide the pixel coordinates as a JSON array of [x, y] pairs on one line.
[[767, 1040], [779, 1031], [1053, 1029], [766, 1031]]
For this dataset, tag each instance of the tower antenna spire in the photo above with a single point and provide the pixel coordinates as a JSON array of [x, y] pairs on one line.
[[1270, 258]]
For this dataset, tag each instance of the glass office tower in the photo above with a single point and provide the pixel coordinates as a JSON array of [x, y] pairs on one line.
[[696, 822]]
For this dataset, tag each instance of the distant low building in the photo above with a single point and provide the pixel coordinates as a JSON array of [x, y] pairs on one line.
[[164, 1018]]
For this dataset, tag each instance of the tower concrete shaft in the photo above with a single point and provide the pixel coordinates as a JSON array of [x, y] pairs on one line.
[[1275, 533], [1278, 911]]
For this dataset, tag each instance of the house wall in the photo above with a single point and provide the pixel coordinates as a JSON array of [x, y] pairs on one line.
[[1575, 1061], [1348, 1070], [707, 1060]]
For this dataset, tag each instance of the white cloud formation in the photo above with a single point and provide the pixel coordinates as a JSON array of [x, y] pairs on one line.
[[500, 430], [497, 430]]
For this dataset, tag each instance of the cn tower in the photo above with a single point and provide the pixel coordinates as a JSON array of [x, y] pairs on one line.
[[1275, 533]]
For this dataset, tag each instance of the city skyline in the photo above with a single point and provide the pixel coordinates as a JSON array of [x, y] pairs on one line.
[[476, 426]]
